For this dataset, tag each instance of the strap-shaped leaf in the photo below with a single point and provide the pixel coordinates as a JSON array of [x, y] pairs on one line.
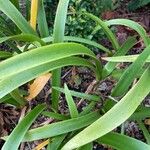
[[80, 40], [80, 95], [141, 114], [106, 30], [129, 43], [131, 24], [4, 54], [62, 127], [56, 115], [115, 116], [23, 37], [42, 23], [49, 53], [122, 142], [71, 105], [13, 81], [128, 58], [58, 36], [145, 131], [20, 130], [11, 11], [131, 72], [56, 142]]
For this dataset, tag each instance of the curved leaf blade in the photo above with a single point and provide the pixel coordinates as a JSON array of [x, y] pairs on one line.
[[62, 127], [71, 105], [124, 143], [106, 30], [11, 11], [18, 133], [112, 118], [131, 73], [30, 59], [11, 82]]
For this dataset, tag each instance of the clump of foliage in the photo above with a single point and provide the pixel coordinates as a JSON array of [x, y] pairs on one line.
[[39, 54], [76, 23]]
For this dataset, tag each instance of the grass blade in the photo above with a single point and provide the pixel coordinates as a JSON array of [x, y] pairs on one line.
[[49, 53], [4, 54], [34, 12]]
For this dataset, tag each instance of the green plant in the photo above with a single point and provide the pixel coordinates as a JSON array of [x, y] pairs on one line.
[[41, 54], [134, 4]]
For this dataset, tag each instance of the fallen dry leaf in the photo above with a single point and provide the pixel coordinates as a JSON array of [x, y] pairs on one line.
[[38, 84], [147, 121], [42, 145]]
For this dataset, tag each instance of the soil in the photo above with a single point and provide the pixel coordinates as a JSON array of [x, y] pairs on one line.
[[78, 79]]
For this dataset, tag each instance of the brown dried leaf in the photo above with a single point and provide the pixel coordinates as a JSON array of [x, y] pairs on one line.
[[147, 121], [38, 84]]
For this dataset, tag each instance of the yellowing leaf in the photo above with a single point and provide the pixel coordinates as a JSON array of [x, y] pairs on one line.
[[34, 11], [43, 144], [38, 84], [147, 121]]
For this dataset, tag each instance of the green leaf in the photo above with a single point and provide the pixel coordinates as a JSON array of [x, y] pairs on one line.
[[115, 116], [128, 58], [145, 131], [122, 142], [131, 72], [58, 36], [80, 95], [15, 3], [61, 127], [88, 108], [20, 130], [42, 23], [86, 147], [105, 28], [131, 24], [11, 11], [11, 82], [56, 142], [80, 40], [23, 37], [4, 54], [141, 114], [50, 53], [110, 66], [55, 115], [71, 105], [16, 95]]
